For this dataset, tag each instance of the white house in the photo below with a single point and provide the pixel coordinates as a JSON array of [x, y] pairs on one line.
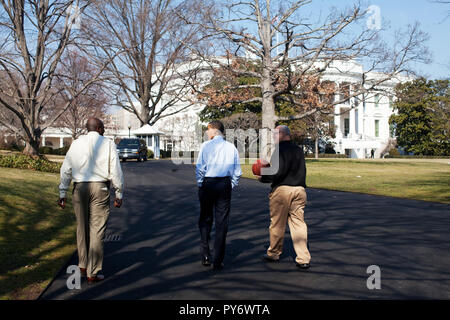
[[362, 123]]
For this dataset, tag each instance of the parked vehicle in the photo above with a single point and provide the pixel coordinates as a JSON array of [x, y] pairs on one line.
[[132, 148]]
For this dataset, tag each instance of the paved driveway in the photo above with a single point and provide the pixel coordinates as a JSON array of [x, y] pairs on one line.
[[152, 245]]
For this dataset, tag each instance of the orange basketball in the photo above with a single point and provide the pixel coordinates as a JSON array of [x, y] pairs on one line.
[[256, 167]]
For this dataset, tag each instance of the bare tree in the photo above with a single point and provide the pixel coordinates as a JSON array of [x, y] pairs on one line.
[[74, 71], [152, 76], [34, 36], [306, 47]]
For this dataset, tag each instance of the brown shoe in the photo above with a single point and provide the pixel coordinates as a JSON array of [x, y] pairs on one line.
[[95, 279], [83, 272]]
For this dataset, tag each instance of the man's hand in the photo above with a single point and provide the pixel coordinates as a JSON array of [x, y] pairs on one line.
[[117, 202], [62, 202]]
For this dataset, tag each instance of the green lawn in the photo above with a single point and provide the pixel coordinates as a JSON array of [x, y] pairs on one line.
[[411, 179], [36, 236]]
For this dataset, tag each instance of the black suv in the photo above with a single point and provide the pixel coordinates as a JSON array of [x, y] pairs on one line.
[[132, 148]]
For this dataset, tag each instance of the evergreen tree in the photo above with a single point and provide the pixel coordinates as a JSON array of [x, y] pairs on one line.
[[422, 119]]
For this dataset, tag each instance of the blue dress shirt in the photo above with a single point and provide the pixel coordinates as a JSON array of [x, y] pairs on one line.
[[218, 158]]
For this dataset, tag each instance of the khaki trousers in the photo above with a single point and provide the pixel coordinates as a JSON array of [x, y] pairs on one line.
[[91, 205], [288, 203]]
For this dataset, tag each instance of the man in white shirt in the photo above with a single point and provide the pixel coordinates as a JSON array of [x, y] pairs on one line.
[[217, 172], [92, 163]]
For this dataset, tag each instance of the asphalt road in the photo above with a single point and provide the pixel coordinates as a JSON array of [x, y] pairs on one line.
[[152, 245]]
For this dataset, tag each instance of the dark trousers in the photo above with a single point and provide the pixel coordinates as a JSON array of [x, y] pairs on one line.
[[215, 198]]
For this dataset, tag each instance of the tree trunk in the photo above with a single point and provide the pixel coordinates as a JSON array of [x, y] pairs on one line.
[[316, 145], [269, 120], [32, 147]]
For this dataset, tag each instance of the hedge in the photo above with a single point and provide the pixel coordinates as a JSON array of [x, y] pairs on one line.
[[327, 156], [415, 157], [21, 161], [49, 150]]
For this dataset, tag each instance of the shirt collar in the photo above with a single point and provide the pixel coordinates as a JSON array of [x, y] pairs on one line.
[[218, 137], [93, 133]]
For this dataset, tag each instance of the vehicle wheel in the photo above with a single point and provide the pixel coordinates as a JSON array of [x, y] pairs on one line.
[[139, 159], [145, 159], [124, 160]]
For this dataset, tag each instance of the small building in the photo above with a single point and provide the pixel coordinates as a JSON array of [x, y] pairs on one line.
[[56, 137], [151, 137]]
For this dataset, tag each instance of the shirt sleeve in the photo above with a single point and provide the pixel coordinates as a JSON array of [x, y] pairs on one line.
[[115, 174], [237, 172], [66, 174], [200, 168]]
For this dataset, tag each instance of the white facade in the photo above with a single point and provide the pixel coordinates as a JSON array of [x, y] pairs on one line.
[[362, 123]]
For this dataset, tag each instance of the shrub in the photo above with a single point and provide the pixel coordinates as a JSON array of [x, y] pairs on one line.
[[21, 161], [329, 149], [417, 157], [11, 143], [165, 154], [62, 151], [327, 156], [46, 150], [150, 154], [393, 153]]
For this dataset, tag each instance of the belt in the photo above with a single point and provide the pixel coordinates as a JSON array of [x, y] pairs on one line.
[[217, 178], [108, 183]]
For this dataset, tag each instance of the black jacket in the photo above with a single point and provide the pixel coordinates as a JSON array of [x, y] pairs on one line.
[[292, 168]]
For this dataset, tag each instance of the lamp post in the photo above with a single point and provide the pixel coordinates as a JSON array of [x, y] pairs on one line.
[[129, 130]]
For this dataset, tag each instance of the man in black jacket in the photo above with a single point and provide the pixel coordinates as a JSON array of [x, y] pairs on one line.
[[287, 200]]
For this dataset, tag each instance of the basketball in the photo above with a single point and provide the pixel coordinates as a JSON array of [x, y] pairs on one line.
[[256, 167]]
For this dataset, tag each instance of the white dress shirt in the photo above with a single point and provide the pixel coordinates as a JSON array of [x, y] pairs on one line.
[[92, 158], [218, 158]]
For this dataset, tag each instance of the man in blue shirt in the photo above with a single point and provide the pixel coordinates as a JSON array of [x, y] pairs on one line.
[[217, 172]]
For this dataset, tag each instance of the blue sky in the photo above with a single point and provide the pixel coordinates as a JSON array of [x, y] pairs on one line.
[[433, 17]]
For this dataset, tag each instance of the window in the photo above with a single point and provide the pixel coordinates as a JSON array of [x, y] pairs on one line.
[[128, 143], [346, 127], [392, 130], [377, 100], [377, 128]]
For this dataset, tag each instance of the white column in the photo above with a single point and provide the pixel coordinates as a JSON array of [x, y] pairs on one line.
[[337, 122], [43, 141], [352, 123], [360, 120], [61, 142]]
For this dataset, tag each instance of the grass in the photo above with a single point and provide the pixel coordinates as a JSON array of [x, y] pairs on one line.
[[410, 179], [36, 236]]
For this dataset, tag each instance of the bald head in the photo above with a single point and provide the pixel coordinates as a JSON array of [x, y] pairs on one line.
[[284, 133], [95, 124]]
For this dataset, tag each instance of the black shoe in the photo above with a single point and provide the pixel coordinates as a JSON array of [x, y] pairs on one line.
[[266, 258], [206, 261], [218, 266], [303, 266]]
